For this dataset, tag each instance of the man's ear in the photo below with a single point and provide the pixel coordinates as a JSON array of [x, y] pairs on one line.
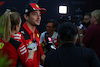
[[25, 16]]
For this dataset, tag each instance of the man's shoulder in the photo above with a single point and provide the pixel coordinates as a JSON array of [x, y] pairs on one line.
[[25, 33], [55, 32], [51, 55], [82, 50], [92, 27], [43, 33], [86, 51], [15, 43], [22, 30]]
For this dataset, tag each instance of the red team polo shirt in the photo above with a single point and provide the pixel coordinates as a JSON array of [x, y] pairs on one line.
[[28, 38], [17, 52], [18, 49]]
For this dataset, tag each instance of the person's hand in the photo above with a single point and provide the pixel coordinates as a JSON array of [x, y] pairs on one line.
[[31, 52]]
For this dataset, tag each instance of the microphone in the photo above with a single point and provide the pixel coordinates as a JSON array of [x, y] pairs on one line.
[[49, 45]]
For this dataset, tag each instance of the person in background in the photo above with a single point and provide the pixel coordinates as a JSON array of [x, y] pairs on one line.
[[83, 26], [11, 9], [68, 55], [91, 38], [15, 50], [86, 20], [49, 33], [32, 16]]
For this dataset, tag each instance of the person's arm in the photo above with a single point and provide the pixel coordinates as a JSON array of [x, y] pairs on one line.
[[19, 37], [26, 56], [31, 53], [42, 59], [29, 61]]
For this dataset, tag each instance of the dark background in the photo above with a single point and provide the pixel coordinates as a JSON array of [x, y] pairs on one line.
[[76, 8]]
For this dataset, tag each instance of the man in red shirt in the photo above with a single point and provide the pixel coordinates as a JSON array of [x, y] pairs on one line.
[[32, 15]]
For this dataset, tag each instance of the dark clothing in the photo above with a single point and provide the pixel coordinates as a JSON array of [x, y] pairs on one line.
[[86, 24], [92, 38], [68, 55]]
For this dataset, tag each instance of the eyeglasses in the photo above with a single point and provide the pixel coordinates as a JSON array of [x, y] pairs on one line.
[[49, 26]]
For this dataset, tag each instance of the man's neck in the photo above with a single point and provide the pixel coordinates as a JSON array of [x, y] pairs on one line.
[[31, 27]]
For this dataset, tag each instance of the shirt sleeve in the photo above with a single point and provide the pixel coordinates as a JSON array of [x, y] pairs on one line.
[[23, 54], [29, 63], [19, 37], [11, 53]]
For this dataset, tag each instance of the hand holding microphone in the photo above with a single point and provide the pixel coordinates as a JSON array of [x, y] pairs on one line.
[[31, 52], [32, 48]]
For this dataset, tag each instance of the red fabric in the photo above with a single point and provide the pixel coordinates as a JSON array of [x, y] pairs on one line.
[[18, 37], [14, 54], [92, 38], [1, 3], [1, 44], [39, 52], [55, 42]]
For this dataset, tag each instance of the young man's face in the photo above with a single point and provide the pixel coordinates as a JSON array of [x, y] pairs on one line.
[[34, 18]]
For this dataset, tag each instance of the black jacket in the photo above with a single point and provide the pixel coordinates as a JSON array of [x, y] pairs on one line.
[[68, 55]]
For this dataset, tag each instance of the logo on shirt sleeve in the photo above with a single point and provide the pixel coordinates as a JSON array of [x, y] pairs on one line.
[[38, 35], [1, 45], [30, 42]]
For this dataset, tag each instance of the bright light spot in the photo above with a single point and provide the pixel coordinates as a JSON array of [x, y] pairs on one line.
[[62, 9]]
